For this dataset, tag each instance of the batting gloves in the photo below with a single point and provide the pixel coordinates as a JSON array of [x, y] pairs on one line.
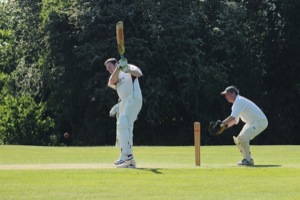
[[123, 65]]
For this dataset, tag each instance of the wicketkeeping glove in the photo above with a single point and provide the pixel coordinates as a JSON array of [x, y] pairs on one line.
[[216, 128], [123, 65]]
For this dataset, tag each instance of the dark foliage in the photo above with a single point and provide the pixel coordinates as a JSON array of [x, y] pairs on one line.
[[188, 51]]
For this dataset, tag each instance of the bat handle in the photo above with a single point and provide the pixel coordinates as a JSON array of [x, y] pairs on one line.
[[122, 56]]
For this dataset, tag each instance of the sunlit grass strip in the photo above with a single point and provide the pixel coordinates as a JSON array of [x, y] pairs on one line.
[[163, 173]]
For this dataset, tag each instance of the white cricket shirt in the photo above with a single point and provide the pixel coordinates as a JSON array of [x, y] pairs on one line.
[[128, 85], [245, 109]]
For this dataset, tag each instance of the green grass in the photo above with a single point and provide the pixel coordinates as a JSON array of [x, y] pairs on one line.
[[30, 172]]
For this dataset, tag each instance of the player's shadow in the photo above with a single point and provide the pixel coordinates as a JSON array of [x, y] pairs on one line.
[[261, 166], [154, 170]]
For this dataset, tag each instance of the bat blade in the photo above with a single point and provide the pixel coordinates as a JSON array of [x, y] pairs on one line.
[[120, 38]]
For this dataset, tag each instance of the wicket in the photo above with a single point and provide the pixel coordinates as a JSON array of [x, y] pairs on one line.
[[197, 142]]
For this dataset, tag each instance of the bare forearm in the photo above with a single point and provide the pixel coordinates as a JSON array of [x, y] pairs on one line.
[[229, 121], [114, 77]]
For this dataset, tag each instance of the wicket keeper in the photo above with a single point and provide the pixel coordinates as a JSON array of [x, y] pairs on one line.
[[255, 121]]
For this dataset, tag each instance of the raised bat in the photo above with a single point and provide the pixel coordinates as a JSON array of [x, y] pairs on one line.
[[120, 38]]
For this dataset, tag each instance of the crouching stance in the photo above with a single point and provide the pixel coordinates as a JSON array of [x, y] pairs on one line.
[[124, 79], [255, 121]]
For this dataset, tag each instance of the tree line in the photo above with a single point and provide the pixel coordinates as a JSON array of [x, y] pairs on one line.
[[52, 77]]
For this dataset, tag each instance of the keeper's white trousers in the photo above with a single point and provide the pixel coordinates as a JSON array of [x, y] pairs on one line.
[[248, 132]]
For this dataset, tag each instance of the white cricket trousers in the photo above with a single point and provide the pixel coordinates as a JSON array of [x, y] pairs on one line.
[[131, 108], [248, 132], [128, 110]]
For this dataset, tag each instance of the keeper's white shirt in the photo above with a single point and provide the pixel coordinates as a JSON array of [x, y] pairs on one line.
[[245, 109], [127, 85]]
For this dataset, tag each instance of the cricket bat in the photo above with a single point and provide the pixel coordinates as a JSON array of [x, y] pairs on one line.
[[120, 39]]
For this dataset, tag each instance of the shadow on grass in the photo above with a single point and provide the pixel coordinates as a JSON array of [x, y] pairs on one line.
[[155, 170], [258, 166]]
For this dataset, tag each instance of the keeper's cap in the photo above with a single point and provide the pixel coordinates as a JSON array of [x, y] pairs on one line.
[[231, 89]]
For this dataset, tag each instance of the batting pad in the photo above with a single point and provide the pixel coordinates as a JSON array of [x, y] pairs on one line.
[[114, 111], [124, 136], [245, 147], [236, 142]]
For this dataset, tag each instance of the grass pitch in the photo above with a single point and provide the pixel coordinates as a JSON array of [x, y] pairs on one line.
[[30, 172]]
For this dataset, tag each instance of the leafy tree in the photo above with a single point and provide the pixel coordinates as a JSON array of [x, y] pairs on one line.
[[53, 52], [282, 81], [24, 122], [6, 47]]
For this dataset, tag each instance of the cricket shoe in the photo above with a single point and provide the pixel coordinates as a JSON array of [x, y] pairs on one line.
[[129, 163], [246, 162], [117, 162], [122, 160]]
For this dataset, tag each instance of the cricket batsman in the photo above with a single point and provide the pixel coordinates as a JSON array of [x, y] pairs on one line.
[[124, 79]]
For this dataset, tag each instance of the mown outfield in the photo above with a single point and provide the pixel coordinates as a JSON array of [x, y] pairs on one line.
[[30, 172]]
